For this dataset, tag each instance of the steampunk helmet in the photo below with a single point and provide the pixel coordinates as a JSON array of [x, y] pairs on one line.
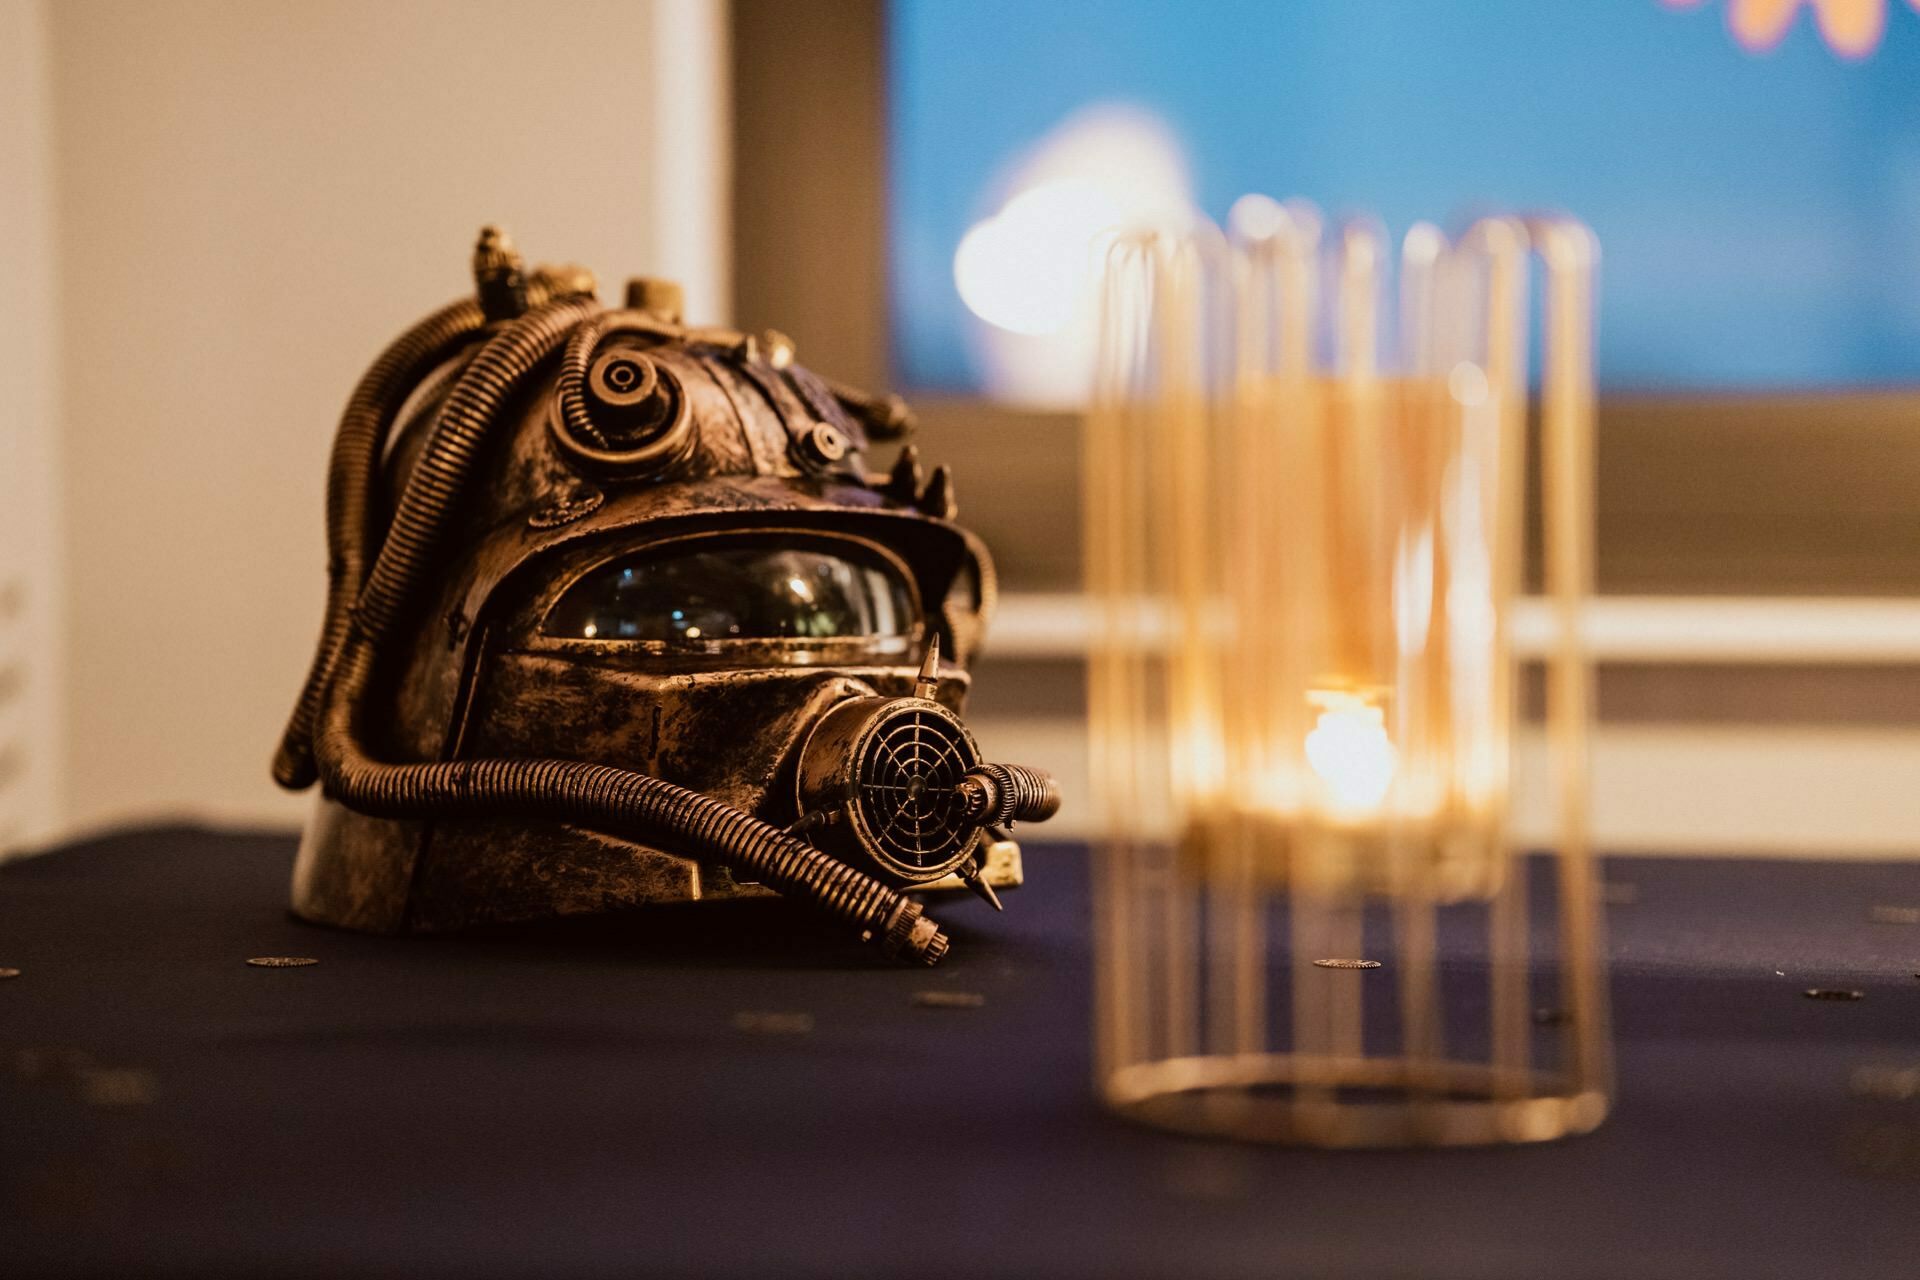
[[618, 616]]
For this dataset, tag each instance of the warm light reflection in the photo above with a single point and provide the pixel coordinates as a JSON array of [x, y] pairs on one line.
[[1467, 384], [1349, 750], [1256, 217], [1851, 28], [1026, 274], [1031, 266]]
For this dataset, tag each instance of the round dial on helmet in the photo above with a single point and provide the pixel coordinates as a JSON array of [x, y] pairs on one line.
[[618, 409]]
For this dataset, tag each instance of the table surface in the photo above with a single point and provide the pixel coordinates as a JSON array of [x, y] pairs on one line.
[[680, 1101]]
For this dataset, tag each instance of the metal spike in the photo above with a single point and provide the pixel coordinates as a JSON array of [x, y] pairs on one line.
[[906, 479], [937, 499], [970, 875], [928, 683]]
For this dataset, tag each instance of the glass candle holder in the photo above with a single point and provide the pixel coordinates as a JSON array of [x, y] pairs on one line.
[[1303, 558]]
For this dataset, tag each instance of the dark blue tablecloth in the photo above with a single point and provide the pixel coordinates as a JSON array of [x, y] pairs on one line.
[[593, 1102]]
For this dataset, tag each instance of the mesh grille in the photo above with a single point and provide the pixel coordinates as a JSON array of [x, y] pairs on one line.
[[907, 779]]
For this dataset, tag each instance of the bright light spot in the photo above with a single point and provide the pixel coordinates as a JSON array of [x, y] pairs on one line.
[[1852, 28], [1257, 217], [1029, 274], [800, 588], [1423, 243], [1028, 268], [693, 633], [1467, 383], [591, 630], [1413, 591], [1348, 748]]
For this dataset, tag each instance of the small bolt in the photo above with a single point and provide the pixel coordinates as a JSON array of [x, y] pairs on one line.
[[824, 444], [664, 300], [1346, 964], [779, 347], [622, 379], [948, 999]]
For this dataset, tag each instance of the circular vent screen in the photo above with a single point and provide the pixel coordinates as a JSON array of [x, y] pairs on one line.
[[907, 778]]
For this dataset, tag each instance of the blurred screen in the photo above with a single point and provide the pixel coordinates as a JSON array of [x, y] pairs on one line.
[[1758, 207]]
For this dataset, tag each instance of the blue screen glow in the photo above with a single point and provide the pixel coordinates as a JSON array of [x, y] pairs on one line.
[[1759, 214]]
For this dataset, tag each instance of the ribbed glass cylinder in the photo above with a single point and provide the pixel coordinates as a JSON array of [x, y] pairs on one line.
[[1306, 514]]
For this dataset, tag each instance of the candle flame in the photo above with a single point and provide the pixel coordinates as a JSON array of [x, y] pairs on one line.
[[1348, 748]]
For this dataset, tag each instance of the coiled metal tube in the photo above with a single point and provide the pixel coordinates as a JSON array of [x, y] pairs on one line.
[[445, 468], [351, 535], [358, 445]]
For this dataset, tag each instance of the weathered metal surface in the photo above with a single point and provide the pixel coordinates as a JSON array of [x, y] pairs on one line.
[[647, 433]]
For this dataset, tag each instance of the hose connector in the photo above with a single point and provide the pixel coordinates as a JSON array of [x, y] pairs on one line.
[[912, 938], [997, 794]]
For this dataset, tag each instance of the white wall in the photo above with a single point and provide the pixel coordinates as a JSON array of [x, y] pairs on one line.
[[30, 648], [252, 199]]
